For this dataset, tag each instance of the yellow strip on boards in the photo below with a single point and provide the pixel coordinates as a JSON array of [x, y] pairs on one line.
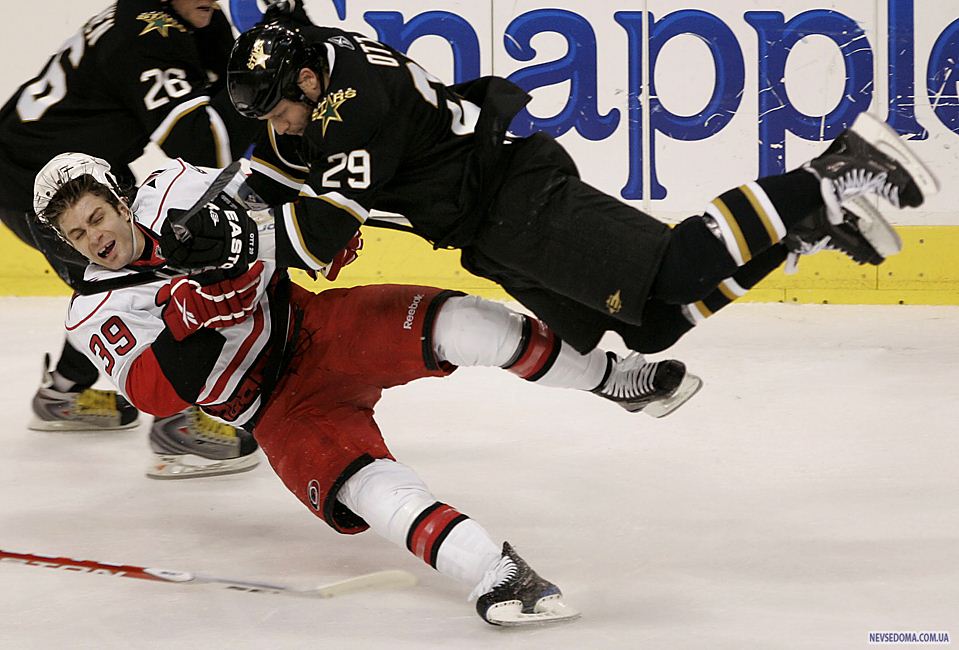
[[925, 273]]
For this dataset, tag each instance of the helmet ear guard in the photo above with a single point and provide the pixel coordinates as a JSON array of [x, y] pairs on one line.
[[264, 68]]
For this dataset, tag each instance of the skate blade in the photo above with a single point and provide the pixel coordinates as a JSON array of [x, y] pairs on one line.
[[176, 466], [885, 139], [38, 424], [549, 610], [661, 408], [878, 232]]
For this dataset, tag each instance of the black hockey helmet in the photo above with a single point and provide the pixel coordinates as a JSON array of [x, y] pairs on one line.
[[264, 67]]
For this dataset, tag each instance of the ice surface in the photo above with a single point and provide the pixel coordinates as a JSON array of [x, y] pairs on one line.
[[806, 496]]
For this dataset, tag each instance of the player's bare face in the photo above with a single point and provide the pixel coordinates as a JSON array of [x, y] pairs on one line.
[[101, 233], [289, 118], [198, 13]]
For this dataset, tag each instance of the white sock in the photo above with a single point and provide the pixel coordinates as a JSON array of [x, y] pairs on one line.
[[575, 370], [468, 553], [60, 383]]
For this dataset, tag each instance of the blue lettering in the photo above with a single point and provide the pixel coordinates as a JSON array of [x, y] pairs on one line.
[[244, 14], [776, 114], [902, 71], [730, 75], [391, 29], [578, 67], [943, 77], [632, 22]]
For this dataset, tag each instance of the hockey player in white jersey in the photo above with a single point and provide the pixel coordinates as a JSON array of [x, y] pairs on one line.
[[303, 371]]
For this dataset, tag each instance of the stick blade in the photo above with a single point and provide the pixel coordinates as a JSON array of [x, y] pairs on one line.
[[391, 579]]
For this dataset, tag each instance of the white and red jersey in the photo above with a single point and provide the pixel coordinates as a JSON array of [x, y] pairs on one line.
[[123, 332]]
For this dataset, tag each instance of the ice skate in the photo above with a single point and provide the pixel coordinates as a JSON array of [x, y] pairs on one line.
[[870, 159], [864, 235], [656, 388], [79, 409], [191, 444], [514, 594]]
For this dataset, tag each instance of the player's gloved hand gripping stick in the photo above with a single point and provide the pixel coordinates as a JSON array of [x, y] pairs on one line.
[[215, 233]]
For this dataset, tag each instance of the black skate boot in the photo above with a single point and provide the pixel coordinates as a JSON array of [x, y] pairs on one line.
[[870, 158], [864, 235], [657, 388], [514, 594]]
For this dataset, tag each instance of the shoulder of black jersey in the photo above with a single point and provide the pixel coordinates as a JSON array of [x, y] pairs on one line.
[[357, 101], [320, 33], [149, 24]]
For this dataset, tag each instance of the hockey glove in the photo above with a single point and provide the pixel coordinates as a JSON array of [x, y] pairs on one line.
[[286, 12], [346, 256], [208, 300], [219, 234]]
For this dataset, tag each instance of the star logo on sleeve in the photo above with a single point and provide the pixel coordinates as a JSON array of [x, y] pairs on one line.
[[258, 58], [159, 21], [329, 109]]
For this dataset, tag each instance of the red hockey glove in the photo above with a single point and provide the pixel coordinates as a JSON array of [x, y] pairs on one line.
[[346, 256], [208, 300]]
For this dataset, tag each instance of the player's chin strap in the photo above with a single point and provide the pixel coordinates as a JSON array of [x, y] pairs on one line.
[[133, 239], [115, 191]]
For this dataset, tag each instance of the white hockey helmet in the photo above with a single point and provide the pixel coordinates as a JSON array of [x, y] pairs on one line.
[[64, 168]]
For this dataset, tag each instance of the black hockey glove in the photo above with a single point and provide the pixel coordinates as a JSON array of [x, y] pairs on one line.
[[289, 13], [219, 235]]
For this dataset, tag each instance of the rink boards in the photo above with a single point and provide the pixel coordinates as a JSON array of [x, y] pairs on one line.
[[664, 104]]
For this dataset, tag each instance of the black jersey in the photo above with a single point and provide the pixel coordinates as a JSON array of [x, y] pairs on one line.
[[387, 136], [134, 73]]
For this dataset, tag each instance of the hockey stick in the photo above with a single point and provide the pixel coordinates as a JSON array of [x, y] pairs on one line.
[[376, 580], [216, 188]]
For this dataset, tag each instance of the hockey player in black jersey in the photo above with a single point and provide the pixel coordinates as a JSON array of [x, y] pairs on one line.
[[356, 126], [140, 71]]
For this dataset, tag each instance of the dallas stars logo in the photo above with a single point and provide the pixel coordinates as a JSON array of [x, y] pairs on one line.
[[257, 57], [329, 109], [160, 22]]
